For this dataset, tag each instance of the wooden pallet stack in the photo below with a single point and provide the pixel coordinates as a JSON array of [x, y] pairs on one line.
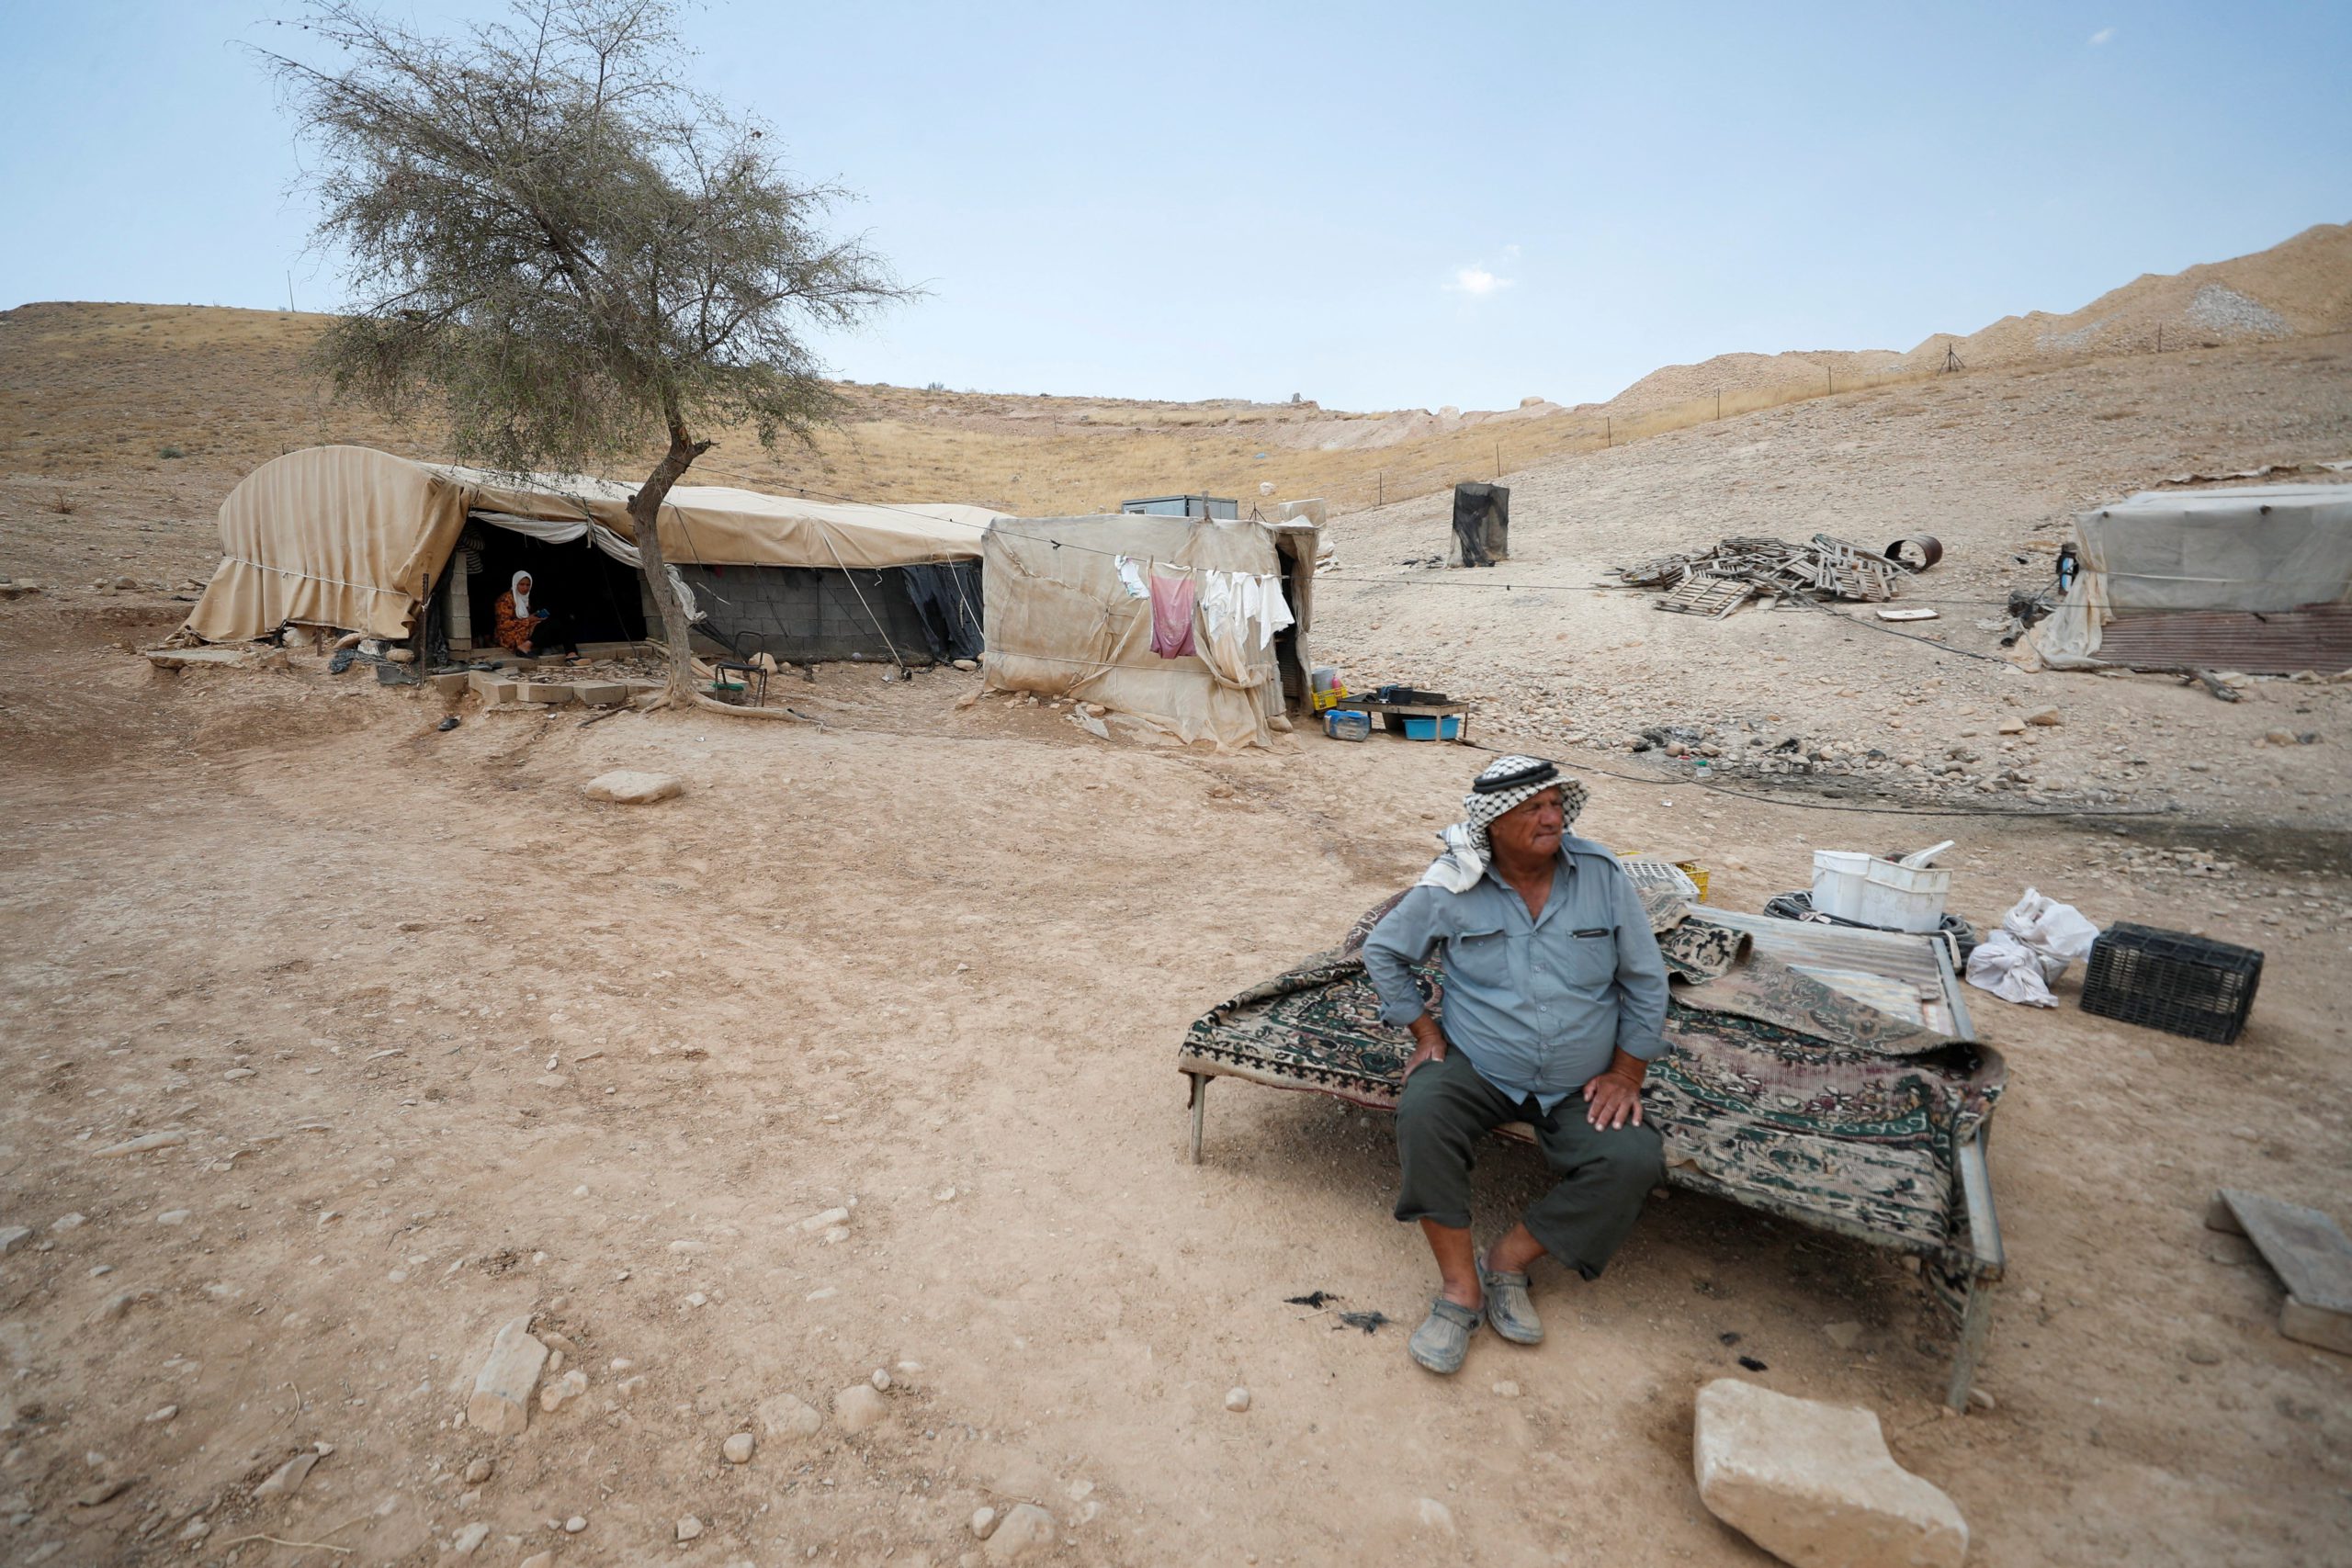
[[1719, 580]]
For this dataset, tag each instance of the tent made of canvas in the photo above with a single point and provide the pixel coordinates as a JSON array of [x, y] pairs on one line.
[[2174, 568], [352, 537], [1062, 622]]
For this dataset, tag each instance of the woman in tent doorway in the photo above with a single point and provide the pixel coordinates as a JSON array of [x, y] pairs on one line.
[[521, 627]]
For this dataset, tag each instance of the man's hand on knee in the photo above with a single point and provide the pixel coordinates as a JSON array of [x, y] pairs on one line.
[[1429, 1043], [1614, 1097]]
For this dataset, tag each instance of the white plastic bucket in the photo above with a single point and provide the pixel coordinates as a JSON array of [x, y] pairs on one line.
[[1874, 892]]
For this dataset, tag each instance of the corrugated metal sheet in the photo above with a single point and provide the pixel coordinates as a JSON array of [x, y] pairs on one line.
[[1910, 977], [2318, 636]]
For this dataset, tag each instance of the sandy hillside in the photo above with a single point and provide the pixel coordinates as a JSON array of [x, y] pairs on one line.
[[1676, 384], [446, 1043], [1994, 464], [2300, 287], [85, 388]]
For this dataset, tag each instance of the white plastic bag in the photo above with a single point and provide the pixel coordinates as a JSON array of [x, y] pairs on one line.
[[2057, 933], [2035, 942], [2010, 970]]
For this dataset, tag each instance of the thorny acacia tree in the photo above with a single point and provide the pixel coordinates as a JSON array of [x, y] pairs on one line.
[[563, 252]]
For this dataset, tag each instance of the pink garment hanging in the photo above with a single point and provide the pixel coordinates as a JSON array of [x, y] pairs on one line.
[[1171, 616]]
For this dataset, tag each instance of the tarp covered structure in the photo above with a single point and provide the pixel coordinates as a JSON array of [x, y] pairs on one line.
[[2262, 550], [352, 537], [1061, 623]]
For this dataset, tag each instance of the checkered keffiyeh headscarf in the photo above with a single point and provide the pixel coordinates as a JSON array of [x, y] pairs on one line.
[[1505, 782]]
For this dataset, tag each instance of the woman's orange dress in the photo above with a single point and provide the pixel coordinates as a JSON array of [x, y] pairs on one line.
[[514, 631]]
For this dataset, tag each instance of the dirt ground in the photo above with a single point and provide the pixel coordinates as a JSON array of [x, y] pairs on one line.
[[449, 1043]]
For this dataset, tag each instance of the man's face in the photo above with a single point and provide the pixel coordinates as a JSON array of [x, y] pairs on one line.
[[1531, 829]]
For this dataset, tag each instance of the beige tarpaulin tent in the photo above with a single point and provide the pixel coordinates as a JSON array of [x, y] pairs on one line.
[[350, 537], [1061, 622], [2263, 549]]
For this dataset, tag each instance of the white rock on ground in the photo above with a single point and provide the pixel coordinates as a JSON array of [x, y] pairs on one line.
[[983, 1522], [785, 1416], [627, 787], [859, 1406], [737, 1450], [563, 1390], [470, 1540], [288, 1478], [689, 1527], [1435, 1516], [1237, 1399], [501, 1405], [10, 1236], [1814, 1484], [1025, 1529]]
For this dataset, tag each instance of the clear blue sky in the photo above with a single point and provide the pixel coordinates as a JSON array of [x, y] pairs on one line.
[[1375, 205]]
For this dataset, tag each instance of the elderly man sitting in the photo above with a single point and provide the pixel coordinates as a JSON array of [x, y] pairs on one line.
[[1553, 996]]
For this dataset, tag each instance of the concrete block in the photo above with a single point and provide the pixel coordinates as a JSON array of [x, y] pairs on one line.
[[452, 685], [1814, 1484], [601, 693], [554, 693], [501, 1405], [2322, 1327]]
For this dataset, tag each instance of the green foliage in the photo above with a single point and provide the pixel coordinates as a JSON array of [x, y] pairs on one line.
[[171, 452], [557, 248]]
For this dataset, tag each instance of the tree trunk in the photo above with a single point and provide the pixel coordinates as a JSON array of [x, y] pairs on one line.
[[645, 512]]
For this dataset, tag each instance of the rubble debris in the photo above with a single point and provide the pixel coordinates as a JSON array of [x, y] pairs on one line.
[[1715, 583]]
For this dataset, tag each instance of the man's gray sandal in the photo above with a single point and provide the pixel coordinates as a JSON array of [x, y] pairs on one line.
[[1508, 1308], [1444, 1339]]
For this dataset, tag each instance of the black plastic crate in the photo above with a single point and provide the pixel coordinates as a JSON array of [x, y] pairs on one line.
[[2172, 981]]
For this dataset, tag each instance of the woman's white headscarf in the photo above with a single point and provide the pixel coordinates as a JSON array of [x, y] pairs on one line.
[[522, 595], [1505, 782]]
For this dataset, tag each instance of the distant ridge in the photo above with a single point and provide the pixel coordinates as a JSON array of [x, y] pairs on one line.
[[2300, 287]]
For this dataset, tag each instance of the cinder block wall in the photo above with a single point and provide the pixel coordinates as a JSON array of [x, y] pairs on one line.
[[805, 614]]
